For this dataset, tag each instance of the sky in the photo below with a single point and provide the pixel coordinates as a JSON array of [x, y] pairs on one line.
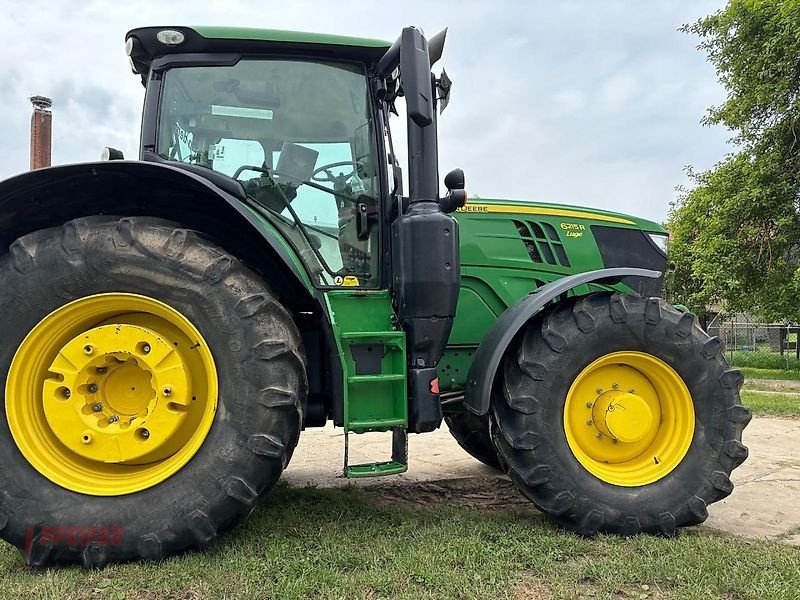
[[592, 103]]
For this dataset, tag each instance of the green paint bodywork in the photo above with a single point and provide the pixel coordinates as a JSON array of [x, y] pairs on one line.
[[276, 35], [638, 222]]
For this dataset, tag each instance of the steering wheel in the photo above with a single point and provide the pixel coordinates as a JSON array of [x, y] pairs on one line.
[[342, 178], [330, 177]]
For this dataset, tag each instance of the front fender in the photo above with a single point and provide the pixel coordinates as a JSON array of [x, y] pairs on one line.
[[493, 346], [50, 197]]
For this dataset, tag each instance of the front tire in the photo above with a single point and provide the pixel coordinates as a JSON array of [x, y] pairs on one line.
[[661, 458], [472, 434], [125, 290]]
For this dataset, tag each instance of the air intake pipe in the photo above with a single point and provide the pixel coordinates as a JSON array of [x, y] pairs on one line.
[[425, 247]]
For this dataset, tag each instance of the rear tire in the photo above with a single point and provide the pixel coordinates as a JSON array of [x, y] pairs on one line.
[[472, 434], [259, 410], [528, 409]]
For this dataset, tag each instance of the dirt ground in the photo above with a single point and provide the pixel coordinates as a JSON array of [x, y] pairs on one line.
[[763, 505]]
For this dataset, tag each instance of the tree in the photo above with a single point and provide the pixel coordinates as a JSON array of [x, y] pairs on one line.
[[736, 233]]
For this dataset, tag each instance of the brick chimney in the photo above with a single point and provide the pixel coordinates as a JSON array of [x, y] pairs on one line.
[[41, 132]]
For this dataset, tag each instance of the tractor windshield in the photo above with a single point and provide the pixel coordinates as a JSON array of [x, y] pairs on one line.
[[299, 135]]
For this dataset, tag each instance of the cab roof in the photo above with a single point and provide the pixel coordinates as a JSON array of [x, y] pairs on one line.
[[245, 40]]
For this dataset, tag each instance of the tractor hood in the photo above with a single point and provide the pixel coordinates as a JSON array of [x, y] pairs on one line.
[[581, 213], [528, 244]]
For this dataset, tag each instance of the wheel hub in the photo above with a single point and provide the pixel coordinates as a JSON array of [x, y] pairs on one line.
[[119, 393], [622, 416], [629, 418]]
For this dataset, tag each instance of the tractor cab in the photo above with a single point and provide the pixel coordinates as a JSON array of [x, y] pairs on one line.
[[298, 122], [299, 135]]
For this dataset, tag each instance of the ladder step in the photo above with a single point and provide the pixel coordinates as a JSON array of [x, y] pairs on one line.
[[379, 425], [376, 469], [357, 335], [398, 464], [376, 378]]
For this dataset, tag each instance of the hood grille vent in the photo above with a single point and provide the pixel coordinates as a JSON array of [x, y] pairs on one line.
[[542, 242]]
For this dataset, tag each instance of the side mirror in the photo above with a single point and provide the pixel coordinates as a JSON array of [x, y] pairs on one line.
[[111, 154], [454, 180], [456, 195]]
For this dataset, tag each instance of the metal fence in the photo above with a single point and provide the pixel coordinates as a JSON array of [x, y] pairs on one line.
[[759, 345]]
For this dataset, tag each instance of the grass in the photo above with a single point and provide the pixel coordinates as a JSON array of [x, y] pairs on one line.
[[754, 373], [344, 544], [775, 399], [773, 405]]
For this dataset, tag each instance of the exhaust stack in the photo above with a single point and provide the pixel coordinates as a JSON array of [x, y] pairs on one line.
[[41, 132]]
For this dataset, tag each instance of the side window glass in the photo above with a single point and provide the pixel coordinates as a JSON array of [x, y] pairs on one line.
[[332, 218]]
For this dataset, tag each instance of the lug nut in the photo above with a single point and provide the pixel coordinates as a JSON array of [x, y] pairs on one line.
[[86, 439], [599, 390], [615, 386], [146, 349], [599, 435], [113, 419], [588, 421], [87, 349], [102, 370], [589, 405], [97, 407], [631, 391], [92, 387], [167, 391], [67, 393], [145, 434]]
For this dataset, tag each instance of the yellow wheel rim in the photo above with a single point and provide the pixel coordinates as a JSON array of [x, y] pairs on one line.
[[111, 394], [629, 418]]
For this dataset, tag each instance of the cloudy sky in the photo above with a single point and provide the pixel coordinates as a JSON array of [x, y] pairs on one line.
[[591, 102]]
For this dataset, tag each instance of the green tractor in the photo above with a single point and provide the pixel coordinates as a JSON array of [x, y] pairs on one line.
[[172, 324]]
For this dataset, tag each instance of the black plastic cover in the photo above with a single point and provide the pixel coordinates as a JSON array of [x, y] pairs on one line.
[[415, 72], [425, 408], [631, 248], [367, 358], [425, 267]]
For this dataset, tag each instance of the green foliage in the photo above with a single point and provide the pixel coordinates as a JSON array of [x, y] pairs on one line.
[[736, 233]]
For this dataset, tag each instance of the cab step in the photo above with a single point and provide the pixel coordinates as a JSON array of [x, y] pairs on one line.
[[398, 464]]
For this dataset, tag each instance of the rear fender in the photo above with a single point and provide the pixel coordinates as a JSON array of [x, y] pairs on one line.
[[50, 197], [494, 344]]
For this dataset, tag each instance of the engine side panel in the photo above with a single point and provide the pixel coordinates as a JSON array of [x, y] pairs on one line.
[[509, 249]]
